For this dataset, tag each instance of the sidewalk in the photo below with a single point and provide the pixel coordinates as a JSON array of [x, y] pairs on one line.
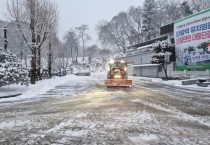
[[17, 91], [177, 83]]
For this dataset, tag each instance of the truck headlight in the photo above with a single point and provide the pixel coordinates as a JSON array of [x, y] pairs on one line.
[[117, 76], [111, 61]]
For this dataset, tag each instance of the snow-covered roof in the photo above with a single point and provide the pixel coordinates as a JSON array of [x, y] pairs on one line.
[[147, 46], [142, 65], [147, 42], [130, 50], [139, 48]]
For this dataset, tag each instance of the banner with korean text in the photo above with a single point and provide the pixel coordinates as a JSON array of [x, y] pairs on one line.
[[192, 41]]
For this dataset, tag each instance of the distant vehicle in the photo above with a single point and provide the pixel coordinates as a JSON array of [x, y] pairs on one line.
[[82, 73], [61, 72]]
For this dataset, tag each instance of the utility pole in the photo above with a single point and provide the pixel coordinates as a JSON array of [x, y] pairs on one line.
[[5, 38]]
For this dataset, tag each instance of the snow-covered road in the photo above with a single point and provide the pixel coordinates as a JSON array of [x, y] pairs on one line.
[[83, 111]]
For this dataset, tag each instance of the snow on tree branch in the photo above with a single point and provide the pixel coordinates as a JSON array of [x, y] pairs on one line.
[[163, 48]]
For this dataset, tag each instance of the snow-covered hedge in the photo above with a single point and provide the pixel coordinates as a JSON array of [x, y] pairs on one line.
[[11, 70], [96, 64]]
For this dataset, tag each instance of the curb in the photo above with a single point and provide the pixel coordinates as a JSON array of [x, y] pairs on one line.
[[10, 96]]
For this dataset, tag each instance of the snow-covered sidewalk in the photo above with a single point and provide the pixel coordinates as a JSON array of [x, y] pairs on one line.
[[176, 83], [33, 90]]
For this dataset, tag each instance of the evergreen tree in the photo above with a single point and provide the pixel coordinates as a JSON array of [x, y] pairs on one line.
[[162, 50], [149, 26], [11, 70]]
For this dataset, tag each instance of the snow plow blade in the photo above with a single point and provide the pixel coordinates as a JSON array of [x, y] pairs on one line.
[[113, 82]]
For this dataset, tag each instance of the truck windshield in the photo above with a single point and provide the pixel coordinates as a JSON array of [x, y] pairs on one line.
[[118, 64]]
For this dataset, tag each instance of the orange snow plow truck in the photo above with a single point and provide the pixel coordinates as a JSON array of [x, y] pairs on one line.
[[117, 74]]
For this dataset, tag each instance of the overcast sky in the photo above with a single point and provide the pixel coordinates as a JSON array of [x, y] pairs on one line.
[[74, 13]]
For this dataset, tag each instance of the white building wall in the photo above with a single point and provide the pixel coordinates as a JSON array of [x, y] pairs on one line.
[[150, 71]]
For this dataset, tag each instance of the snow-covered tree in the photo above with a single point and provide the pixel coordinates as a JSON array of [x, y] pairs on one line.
[[200, 5], [84, 37], [163, 49], [108, 38], [135, 20], [38, 18], [116, 34], [186, 9], [11, 70], [172, 11], [149, 23], [92, 52], [71, 45]]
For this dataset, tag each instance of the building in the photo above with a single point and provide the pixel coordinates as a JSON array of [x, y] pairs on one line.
[[139, 56]]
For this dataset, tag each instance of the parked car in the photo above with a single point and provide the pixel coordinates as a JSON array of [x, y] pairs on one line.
[[61, 72], [82, 73]]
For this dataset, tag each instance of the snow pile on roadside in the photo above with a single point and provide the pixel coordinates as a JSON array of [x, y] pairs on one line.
[[177, 83], [39, 88], [42, 86], [12, 89]]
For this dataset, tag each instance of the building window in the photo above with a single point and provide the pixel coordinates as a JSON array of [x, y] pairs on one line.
[[160, 68]]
